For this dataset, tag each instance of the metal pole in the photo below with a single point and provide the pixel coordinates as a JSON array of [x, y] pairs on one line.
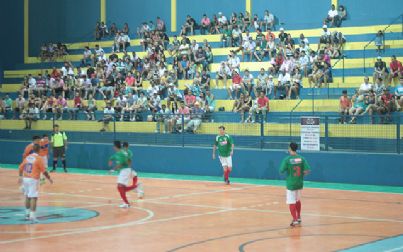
[[183, 130], [343, 68], [313, 101], [398, 134], [114, 127], [364, 60], [261, 131], [326, 133]]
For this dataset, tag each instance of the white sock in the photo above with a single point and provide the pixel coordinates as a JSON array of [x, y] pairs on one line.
[[32, 215], [27, 211]]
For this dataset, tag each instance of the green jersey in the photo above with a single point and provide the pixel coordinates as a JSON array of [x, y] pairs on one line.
[[121, 158], [295, 166], [130, 153], [224, 144]]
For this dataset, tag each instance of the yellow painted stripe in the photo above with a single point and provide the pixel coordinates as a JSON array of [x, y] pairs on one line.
[[103, 10], [173, 16], [248, 6], [335, 2], [271, 129], [26, 30]]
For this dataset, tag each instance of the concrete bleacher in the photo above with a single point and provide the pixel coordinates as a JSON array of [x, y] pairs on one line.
[[321, 100]]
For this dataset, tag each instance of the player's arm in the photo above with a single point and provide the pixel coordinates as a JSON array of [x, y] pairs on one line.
[[232, 145], [214, 148], [39, 162], [283, 166], [65, 140], [306, 167], [20, 171]]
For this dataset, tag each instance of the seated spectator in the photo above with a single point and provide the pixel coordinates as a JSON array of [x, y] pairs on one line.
[[173, 47], [109, 114], [373, 105], [91, 107], [237, 84], [32, 114], [344, 106], [359, 106], [294, 89], [126, 29], [19, 106], [200, 58], [365, 87], [113, 30], [283, 84], [223, 73], [61, 107], [139, 106], [380, 69], [49, 106], [182, 117], [154, 103], [234, 63], [332, 16], [399, 95], [214, 25], [248, 81], [387, 106], [188, 26], [77, 106], [226, 37], [196, 116], [261, 107], [184, 67], [160, 25], [246, 21], [342, 12], [190, 99], [120, 105], [163, 117], [204, 24], [396, 70], [222, 20], [86, 57], [109, 87], [325, 38], [268, 21], [210, 102]]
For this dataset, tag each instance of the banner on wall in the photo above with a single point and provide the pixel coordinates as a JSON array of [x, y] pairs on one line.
[[310, 133]]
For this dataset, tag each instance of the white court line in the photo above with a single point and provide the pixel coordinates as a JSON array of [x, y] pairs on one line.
[[95, 229], [395, 249]]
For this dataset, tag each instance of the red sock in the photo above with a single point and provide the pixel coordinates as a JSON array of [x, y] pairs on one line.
[[226, 174], [133, 186], [298, 207], [293, 211], [122, 192]]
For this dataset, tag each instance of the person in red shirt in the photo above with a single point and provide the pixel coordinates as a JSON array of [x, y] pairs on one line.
[[77, 105], [387, 105], [29, 173], [344, 107], [396, 69], [261, 107], [236, 84]]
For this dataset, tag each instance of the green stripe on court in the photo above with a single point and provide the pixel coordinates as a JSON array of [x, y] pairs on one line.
[[307, 184], [394, 244]]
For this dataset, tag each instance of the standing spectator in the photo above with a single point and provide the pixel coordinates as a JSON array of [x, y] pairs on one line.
[[380, 42], [59, 145], [344, 106]]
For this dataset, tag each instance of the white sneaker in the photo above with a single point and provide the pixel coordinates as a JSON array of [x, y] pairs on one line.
[[33, 220], [140, 190], [124, 205]]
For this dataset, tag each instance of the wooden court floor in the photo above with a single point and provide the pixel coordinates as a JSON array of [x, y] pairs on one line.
[[181, 215]]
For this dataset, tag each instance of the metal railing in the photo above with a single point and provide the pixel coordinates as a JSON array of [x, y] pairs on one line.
[[398, 18], [377, 134]]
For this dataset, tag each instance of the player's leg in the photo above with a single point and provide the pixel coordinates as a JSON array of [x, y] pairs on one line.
[[298, 205], [224, 164], [55, 157], [124, 178], [63, 157], [27, 207], [32, 193], [32, 214], [121, 189], [229, 168], [291, 201]]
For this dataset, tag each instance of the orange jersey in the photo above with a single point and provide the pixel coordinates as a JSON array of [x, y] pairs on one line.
[[44, 148], [28, 150], [32, 166]]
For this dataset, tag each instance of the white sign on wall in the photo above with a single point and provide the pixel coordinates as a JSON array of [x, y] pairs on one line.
[[310, 133]]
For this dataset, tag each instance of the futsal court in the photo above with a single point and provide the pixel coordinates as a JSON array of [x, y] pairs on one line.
[[80, 212]]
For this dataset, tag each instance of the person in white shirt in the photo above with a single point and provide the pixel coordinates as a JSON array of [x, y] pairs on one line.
[[236, 36], [261, 82], [365, 87], [124, 41], [325, 38], [222, 20], [268, 20], [223, 73], [86, 56], [109, 113], [248, 81], [332, 15], [233, 61]]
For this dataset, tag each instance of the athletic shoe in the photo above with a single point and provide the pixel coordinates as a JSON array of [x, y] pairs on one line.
[[294, 223], [33, 220], [42, 181], [227, 182], [27, 217], [299, 220], [124, 205], [53, 170], [140, 190], [65, 170]]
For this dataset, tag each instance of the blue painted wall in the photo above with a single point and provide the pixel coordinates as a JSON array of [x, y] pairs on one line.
[[372, 12], [137, 12], [62, 20], [372, 169], [12, 40]]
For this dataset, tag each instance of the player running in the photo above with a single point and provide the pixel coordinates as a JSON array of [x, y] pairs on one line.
[[121, 160], [29, 148], [139, 188], [296, 167], [44, 153], [29, 173], [225, 146]]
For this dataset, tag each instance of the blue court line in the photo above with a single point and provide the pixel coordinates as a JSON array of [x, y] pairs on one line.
[[392, 244]]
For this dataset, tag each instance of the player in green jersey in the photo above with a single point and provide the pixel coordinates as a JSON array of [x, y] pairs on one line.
[[225, 145], [138, 185], [296, 168], [121, 162]]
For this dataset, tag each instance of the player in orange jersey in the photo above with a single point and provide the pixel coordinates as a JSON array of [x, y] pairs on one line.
[[29, 173], [29, 148], [44, 153]]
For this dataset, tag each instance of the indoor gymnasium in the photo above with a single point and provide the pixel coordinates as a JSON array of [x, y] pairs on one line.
[[174, 125]]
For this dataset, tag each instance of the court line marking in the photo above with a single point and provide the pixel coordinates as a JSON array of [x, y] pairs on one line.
[[139, 222], [394, 249]]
